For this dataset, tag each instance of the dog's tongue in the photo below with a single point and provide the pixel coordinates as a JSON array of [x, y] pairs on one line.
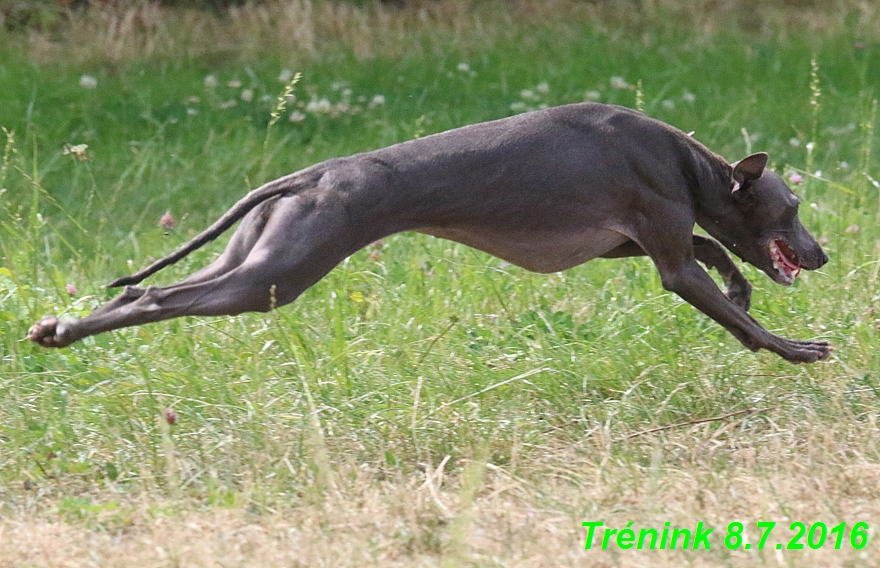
[[782, 256], [789, 266]]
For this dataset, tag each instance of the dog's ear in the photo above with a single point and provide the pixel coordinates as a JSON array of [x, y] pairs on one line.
[[746, 172]]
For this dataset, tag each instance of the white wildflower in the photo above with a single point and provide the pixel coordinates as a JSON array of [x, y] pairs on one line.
[[247, 95], [77, 151], [296, 117], [319, 106], [194, 100], [234, 84], [464, 67], [794, 141], [191, 111], [617, 82], [285, 76], [689, 97], [592, 96], [518, 106], [324, 105], [88, 82], [378, 100], [543, 88], [527, 95], [211, 81], [668, 104]]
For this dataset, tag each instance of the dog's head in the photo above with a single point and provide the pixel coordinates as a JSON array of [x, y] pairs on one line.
[[765, 230]]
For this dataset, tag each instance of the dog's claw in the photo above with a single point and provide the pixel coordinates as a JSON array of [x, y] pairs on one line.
[[46, 333]]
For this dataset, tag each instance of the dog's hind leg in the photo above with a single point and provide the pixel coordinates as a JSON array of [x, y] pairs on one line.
[[301, 241], [712, 254], [236, 252], [240, 244]]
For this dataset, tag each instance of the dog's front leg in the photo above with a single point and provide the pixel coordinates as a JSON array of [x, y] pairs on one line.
[[712, 254], [671, 247], [694, 285]]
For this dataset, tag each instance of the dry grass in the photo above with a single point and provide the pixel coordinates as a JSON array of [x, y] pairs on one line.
[[301, 28], [526, 514]]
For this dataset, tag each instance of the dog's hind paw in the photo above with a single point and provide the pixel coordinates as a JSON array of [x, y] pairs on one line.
[[49, 332]]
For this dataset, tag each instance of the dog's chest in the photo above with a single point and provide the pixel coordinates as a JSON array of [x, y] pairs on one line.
[[536, 251]]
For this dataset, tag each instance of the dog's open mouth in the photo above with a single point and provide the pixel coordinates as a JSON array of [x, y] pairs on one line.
[[785, 260]]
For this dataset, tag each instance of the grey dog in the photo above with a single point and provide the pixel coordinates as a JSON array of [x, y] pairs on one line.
[[544, 190]]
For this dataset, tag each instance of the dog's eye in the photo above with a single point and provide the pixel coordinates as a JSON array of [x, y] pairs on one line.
[[791, 213]]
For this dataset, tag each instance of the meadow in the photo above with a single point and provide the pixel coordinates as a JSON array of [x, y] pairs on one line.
[[425, 404]]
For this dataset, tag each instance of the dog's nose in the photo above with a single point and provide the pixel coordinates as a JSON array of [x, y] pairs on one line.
[[824, 259]]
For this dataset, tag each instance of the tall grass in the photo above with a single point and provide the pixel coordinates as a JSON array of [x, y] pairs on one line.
[[304, 29], [417, 357]]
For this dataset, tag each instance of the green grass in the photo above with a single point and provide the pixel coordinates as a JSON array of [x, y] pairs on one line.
[[400, 356]]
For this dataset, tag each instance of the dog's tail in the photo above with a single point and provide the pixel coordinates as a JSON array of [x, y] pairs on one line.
[[291, 184]]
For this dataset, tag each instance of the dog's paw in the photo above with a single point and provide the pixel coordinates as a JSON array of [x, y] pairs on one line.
[[741, 298], [740, 293], [806, 351], [49, 332]]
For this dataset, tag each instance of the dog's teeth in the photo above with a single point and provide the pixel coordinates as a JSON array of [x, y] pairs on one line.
[[781, 263]]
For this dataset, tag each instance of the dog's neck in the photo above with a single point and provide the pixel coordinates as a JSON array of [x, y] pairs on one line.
[[709, 179]]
